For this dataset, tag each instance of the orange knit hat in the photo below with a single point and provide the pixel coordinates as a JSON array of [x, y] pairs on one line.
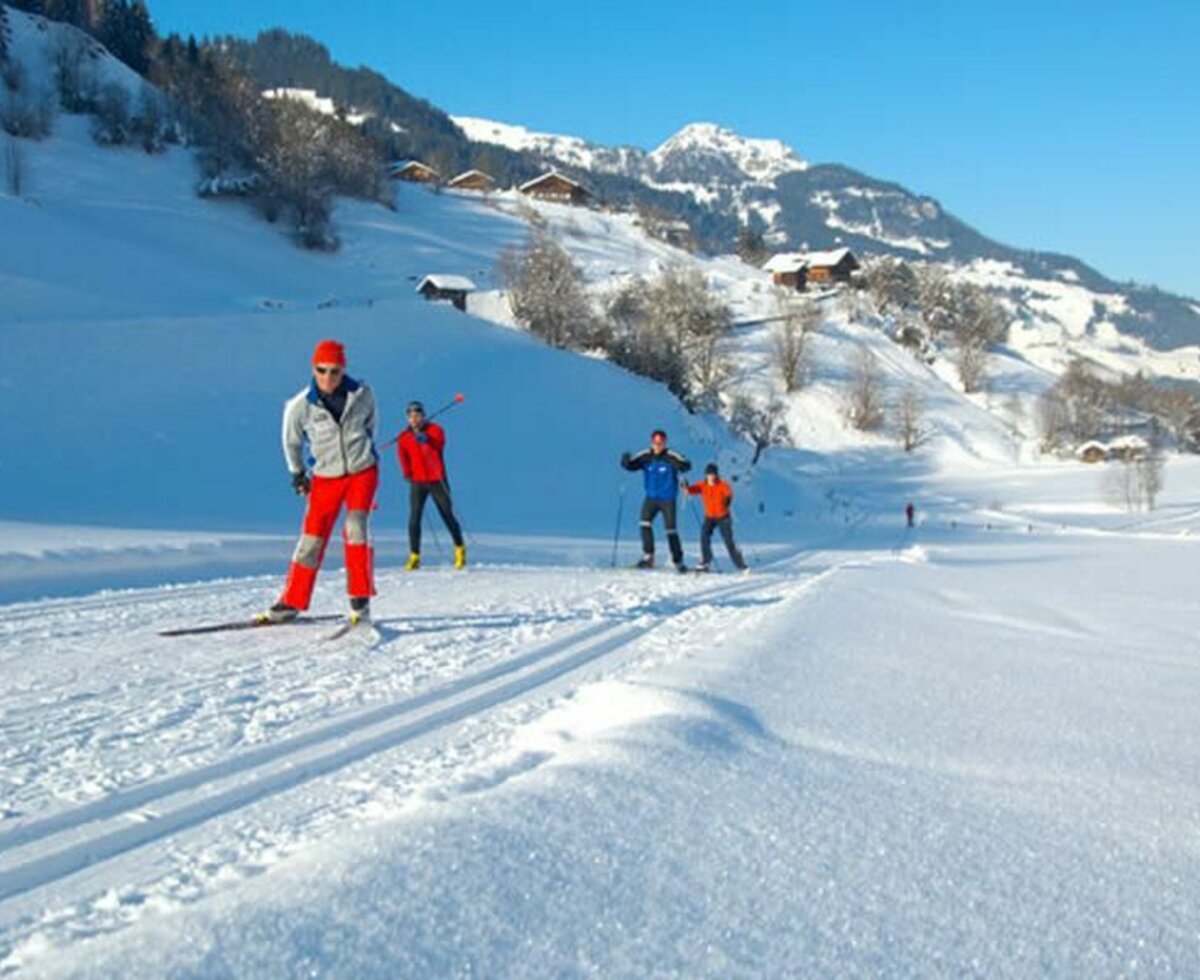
[[329, 352]]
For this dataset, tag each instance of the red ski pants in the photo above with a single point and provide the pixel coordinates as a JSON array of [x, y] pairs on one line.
[[325, 500]]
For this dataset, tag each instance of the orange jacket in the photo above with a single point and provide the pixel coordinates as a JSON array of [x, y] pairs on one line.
[[717, 497]]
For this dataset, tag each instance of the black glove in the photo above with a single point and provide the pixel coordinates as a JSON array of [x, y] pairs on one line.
[[625, 460], [301, 484]]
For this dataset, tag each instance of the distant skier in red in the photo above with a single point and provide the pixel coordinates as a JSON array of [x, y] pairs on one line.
[[329, 428], [421, 447]]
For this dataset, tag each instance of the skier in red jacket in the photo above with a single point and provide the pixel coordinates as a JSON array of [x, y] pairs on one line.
[[420, 449]]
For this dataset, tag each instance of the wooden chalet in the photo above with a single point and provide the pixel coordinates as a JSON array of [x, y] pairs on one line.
[[789, 270], [447, 289], [1092, 452], [415, 172], [554, 186], [1131, 447], [835, 265], [473, 180]]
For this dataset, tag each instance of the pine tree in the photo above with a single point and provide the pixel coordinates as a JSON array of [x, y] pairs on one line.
[[128, 33], [3, 34], [74, 12]]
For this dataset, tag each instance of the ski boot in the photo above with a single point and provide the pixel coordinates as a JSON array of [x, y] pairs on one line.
[[281, 612], [703, 567], [646, 562], [460, 557], [413, 563], [360, 611]]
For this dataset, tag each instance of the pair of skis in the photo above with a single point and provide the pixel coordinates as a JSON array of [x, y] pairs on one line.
[[347, 627]]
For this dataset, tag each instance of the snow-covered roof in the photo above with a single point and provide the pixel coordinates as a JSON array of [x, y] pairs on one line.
[[546, 176], [405, 164], [1128, 442], [466, 174], [448, 282], [1091, 446], [786, 262], [829, 257]]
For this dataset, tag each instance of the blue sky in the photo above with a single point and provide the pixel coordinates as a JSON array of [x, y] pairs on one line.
[[1070, 127]]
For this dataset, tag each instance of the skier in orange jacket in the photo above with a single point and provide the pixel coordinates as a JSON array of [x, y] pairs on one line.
[[717, 496]]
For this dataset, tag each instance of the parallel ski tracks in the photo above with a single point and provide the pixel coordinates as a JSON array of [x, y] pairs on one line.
[[50, 849]]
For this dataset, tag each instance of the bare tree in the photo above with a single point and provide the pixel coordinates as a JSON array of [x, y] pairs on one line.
[[149, 125], [789, 339], [25, 111], [636, 344], [937, 300], [545, 292], [971, 359], [14, 167], [680, 306], [112, 125], [892, 284], [72, 72], [761, 425], [864, 401], [1135, 481], [1151, 477], [1180, 413], [909, 415]]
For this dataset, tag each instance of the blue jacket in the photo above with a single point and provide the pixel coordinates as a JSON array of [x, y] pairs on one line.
[[660, 471]]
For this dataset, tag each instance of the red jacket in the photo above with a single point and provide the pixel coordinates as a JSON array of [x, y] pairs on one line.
[[421, 453], [717, 497]]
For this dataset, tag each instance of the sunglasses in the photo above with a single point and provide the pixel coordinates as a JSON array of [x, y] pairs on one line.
[[334, 369]]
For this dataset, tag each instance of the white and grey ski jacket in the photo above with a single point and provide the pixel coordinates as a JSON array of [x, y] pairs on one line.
[[313, 439]]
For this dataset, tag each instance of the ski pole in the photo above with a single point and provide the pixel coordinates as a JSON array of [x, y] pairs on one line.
[[456, 400], [617, 532]]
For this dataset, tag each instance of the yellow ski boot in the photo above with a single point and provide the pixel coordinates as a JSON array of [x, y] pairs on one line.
[[413, 563], [460, 557]]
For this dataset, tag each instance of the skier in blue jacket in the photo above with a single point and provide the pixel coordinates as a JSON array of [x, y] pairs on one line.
[[661, 468]]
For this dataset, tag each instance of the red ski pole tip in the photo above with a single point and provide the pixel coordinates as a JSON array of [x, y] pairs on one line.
[[460, 398]]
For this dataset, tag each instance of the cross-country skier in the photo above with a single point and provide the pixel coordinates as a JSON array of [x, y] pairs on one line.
[[333, 418], [420, 448], [661, 468], [717, 496]]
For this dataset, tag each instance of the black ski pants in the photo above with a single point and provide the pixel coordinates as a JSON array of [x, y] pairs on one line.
[[725, 526], [440, 493], [668, 510]]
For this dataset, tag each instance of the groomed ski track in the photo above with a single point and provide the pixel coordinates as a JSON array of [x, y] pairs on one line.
[[68, 856]]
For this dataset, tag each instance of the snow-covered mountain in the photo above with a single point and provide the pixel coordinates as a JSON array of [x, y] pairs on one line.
[[701, 154], [766, 184]]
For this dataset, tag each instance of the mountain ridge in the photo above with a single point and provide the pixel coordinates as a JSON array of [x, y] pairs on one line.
[[821, 205]]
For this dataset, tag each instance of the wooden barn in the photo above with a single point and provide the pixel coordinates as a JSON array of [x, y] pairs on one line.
[[473, 180], [447, 289], [1092, 452], [835, 265], [554, 186], [415, 172], [789, 270]]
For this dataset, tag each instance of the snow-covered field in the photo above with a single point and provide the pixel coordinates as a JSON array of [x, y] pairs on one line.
[[969, 749], [945, 753]]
